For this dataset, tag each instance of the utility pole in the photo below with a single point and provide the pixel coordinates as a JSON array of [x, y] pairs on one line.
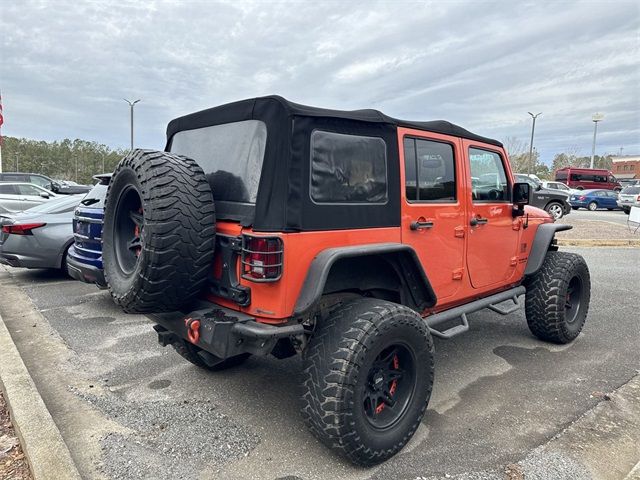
[[533, 129], [131, 105], [17, 163], [596, 117]]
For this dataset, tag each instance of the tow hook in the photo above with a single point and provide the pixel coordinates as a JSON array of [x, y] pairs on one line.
[[193, 329]]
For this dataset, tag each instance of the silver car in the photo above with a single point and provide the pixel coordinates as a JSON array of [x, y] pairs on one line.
[[629, 197], [16, 197], [39, 237]]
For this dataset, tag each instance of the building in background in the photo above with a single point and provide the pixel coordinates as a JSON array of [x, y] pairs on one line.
[[626, 167]]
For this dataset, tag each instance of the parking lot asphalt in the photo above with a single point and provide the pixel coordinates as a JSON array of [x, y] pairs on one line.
[[129, 408], [614, 216]]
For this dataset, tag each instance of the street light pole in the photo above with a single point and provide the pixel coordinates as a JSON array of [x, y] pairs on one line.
[[131, 105], [533, 129], [597, 117]]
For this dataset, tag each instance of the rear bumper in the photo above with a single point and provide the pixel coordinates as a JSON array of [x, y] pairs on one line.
[[222, 332], [26, 261], [85, 273]]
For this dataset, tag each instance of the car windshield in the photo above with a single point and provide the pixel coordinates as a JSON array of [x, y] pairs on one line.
[[630, 191], [57, 205]]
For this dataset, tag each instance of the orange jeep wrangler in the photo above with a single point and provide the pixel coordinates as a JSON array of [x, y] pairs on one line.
[[349, 237]]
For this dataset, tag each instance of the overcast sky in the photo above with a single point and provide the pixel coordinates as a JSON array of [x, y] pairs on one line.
[[65, 67]]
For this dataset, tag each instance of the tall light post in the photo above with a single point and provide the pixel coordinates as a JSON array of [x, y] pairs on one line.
[[533, 129], [595, 118], [131, 105]]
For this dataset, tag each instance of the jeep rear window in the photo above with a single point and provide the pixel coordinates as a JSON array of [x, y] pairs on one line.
[[348, 168], [231, 155]]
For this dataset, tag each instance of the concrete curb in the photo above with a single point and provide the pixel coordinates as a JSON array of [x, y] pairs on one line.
[[604, 443], [591, 242], [42, 443]]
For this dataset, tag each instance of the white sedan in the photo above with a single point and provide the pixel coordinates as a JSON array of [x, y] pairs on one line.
[[16, 197]]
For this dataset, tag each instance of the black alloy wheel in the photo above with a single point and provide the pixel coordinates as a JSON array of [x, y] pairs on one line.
[[389, 387], [129, 221]]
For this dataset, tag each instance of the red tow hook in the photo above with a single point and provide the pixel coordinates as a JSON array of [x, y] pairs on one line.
[[193, 329]]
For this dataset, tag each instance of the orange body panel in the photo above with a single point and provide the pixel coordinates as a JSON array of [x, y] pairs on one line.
[[463, 262]]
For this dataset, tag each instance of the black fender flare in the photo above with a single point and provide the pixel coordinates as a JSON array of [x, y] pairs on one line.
[[540, 246], [404, 256]]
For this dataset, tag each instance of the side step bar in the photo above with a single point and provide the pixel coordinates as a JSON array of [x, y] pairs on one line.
[[461, 312]]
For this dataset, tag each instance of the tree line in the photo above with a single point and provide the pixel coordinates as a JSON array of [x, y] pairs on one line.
[[520, 160], [79, 160], [76, 160]]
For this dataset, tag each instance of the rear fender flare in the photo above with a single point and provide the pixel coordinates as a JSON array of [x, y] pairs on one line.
[[402, 257]]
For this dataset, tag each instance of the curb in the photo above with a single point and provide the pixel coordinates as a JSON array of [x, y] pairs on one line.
[[603, 443], [591, 242], [47, 454]]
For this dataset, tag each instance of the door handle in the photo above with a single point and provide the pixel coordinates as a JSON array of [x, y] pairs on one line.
[[419, 224], [478, 221]]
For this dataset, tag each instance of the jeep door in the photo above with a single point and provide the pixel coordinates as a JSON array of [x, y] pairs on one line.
[[493, 231], [433, 208]]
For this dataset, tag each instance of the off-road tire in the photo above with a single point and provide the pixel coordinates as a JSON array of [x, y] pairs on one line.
[[626, 210], [176, 234], [555, 209], [337, 364], [592, 206], [546, 300], [189, 352]]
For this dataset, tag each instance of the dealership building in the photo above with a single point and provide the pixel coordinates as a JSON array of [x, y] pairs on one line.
[[626, 166]]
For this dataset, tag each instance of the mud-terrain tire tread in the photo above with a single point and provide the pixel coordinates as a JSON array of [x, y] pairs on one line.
[[330, 368], [190, 353], [545, 297], [179, 232]]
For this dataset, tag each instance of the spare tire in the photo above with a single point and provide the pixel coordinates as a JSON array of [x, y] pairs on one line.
[[159, 232]]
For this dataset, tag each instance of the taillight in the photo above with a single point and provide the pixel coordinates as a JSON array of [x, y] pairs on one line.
[[638, 198], [21, 229], [261, 258]]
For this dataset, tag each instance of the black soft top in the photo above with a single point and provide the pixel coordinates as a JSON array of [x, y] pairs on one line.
[[283, 202], [233, 110]]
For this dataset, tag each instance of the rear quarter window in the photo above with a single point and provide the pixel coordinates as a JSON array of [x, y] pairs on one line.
[[348, 169], [95, 198]]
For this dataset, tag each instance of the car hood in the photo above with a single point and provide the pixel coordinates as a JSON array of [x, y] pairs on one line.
[[550, 191], [535, 212]]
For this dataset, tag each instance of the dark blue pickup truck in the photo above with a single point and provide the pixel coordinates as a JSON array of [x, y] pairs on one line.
[[84, 260]]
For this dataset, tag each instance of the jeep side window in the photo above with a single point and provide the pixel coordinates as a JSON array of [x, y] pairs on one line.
[[435, 166], [348, 168], [487, 167]]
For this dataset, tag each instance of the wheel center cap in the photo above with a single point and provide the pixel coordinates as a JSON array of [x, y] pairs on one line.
[[377, 380]]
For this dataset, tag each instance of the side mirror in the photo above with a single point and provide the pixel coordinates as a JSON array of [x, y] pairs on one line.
[[44, 194], [520, 196], [538, 187], [55, 187]]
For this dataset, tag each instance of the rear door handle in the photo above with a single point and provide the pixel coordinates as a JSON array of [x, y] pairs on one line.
[[419, 224], [478, 221]]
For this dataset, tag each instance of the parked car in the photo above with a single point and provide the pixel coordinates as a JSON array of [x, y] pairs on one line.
[[350, 238], [629, 197], [629, 182], [63, 187], [587, 178], [554, 202], [39, 237], [84, 259], [594, 199], [556, 186], [68, 187], [17, 197]]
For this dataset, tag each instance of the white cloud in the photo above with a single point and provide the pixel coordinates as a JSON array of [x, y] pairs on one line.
[[65, 66]]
